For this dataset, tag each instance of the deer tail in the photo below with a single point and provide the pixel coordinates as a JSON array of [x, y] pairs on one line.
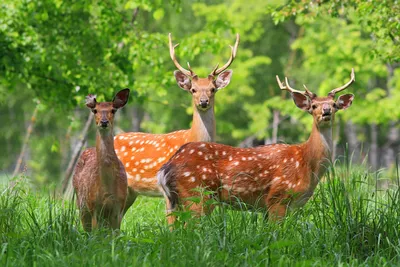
[[167, 183]]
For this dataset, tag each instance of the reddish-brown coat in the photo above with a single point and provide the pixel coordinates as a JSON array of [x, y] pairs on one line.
[[273, 177], [143, 154], [270, 177], [100, 180]]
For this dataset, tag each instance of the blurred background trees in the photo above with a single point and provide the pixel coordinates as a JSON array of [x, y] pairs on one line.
[[53, 53]]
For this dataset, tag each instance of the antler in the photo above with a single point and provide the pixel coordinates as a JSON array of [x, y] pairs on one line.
[[286, 86], [217, 71], [352, 79], [189, 72]]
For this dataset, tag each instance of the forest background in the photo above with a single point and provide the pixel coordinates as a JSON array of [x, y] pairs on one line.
[[53, 53]]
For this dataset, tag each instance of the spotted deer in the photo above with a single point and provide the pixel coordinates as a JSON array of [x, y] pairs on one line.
[[272, 177], [100, 180], [143, 154]]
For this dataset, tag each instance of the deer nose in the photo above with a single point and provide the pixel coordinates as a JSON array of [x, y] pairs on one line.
[[204, 103], [104, 123], [326, 111]]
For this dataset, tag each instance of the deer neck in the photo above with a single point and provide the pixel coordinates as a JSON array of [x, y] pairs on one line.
[[203, 126], [318, 149], [106, 157]]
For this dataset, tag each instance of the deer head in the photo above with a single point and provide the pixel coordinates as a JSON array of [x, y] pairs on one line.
[[104, 111], [323, 109], [203, 89]]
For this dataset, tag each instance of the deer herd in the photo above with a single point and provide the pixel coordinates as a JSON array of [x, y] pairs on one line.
[[186, 163]]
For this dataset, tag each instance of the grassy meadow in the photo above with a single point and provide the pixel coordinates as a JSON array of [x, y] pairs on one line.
[[349, 222]]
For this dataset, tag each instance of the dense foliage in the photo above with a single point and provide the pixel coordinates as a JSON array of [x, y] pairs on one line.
[[55, 52]]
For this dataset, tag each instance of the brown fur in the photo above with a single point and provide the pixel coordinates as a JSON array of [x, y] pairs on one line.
[[100, 179], [143, 154], [272, 177]]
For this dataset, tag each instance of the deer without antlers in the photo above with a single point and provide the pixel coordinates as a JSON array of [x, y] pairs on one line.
[[273, 177], [143, 154], [100, 180]]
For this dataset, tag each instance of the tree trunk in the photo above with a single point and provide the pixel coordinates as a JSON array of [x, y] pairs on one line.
[[137, 118], [25, 142], [335, 141], [350, 131], [391, 146], [374, 153], [75, 156], [275, 126]]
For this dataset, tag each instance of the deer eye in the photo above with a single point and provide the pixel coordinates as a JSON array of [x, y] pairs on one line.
[[314, 106], [113, 110], [193, 91], [212, 90], [334, 105], [94, 111]]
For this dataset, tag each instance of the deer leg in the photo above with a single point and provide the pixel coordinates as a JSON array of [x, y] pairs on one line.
[[130, 199], [277, 205], [171, 218], [115, 217], [95, 220], [86, 220], [202, 208], [277, 212]]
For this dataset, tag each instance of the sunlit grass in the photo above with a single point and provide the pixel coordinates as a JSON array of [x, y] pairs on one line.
[[348, 221]]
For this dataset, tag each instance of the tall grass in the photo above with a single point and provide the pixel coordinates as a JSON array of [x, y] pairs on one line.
[[348, 221]]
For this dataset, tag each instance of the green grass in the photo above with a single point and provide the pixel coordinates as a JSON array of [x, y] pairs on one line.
[[347, 222]]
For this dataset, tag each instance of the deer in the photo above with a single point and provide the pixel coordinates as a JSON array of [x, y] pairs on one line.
[[143, 154], [100, 180], [271, 178]]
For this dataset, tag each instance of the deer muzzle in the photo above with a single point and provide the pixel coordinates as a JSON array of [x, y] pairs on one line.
[[204, 103]]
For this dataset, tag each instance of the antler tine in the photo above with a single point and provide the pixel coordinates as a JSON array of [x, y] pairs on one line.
[[286, 86], [215, 69], [172, 54], [336, 90], [308, 92], [233, 55], [281, 85], [190, 69]]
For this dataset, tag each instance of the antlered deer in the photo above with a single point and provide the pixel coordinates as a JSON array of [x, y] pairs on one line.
[[273, 177], [143, 154], [100, 179]]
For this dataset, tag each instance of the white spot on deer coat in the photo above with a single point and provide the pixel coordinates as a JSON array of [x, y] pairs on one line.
[[187, 174]]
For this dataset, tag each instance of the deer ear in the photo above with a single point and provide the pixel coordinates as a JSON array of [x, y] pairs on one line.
[[91, 101], [121, 98], [183, 80], [344, 101], [301, 101], [223, 79]]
